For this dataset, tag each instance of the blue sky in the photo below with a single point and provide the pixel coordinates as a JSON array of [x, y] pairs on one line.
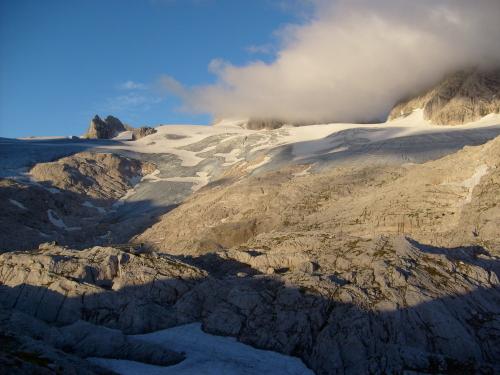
[[62, 61]]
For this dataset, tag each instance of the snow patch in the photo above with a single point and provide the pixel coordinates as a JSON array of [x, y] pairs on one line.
[[121, 201], [90, 205], [264, 161], [473, 181], [18, 204], [338, 149], [231, 157], [305, 172], [58, 222], [208, 355], [53, 190], [124, 136], [200, 180]]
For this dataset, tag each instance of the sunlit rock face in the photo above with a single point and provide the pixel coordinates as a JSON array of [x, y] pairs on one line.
[[97, 175], [460, 98]]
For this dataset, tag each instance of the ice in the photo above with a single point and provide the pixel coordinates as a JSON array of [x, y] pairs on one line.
[[208, 355]]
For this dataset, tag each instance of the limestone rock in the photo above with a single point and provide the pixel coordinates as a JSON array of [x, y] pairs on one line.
[[98, 175], [259, 124], [104, 129], [462, 97], [411, 306], [142, 132], [433, 202]]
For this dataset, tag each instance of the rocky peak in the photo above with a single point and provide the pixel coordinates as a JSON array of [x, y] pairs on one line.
[[104, 129], [462, 97]]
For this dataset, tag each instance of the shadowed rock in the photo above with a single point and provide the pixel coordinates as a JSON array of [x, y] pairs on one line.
[[400, 305], [104, 129]]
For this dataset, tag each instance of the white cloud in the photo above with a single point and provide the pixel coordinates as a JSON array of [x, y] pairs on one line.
[[353, 59], [131, 85], [131, 102], [260, 49]]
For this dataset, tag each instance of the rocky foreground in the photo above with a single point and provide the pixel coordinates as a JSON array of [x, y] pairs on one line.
[[383, 305]]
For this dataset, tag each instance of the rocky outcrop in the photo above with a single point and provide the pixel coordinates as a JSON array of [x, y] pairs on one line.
[[32, 214], [98, 175], [104, 129], [259, 124], [119, 289], [69, 201], [82, 339], [142, 132], [386, 305], [460, 98]]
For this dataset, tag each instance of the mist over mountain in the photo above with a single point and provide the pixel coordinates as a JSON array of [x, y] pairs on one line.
[[352, 61]]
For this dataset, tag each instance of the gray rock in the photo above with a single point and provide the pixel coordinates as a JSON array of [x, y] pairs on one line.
[[462, 97], [142, 132], [104, 129]]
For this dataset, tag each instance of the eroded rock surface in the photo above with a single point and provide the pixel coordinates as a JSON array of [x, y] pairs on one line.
[[104, 129], [259, 124], [98, 175], [142, 132], [72, 200], [383, 306], [462, 97]]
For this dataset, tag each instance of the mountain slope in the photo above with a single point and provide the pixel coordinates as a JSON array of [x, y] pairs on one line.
[[460, 98]]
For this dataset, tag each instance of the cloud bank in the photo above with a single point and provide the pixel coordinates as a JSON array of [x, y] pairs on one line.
[[352, 60]]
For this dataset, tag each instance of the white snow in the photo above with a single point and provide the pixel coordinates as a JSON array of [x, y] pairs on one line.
[[53, 190], [124, 136], [55, 219], [121, 201], [264, 161], [230, 157], [208, 355], [228, 122], [410, 125], [474, 180], [58, 222], [18, 204], [305, 172], [200, 180], [90, 205]]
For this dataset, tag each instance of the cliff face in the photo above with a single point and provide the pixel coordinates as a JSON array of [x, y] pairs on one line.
[[104, 129], [460, 98]]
